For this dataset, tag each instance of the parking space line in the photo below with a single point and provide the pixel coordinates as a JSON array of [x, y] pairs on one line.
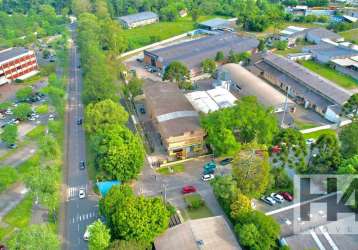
[[316, 239], [328, 238]]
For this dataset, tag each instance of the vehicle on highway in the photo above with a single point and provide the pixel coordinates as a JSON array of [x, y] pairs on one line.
[[12, 146], [79, 121], [82, 165], [226, 161], [207, 177], [287, 196], [82, 193], [87, 234], [188, 189], [310, 141], [277, 197], [268, 200]]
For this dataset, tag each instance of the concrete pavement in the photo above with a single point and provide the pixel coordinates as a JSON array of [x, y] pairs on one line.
[[78, 213], [19, 156]]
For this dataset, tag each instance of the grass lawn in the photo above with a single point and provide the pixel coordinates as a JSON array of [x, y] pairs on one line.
[[37, 132], [42, 109], [26, 167], [316, 134], [8, 176], [304, 125], [350, 35], [344, 81], [179, 168], [141, 36], [198, 213]]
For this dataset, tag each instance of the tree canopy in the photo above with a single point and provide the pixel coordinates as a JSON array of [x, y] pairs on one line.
[[9, 134], [351, 106], [176, 72], [349, 140], [22, 111], [133, 217], [99, 236]]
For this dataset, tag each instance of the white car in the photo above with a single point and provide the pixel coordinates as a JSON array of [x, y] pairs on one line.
[[207, 177], [278, 198], [82, 193], [8, 112], [310, 141], [87, 235], [269, 200]]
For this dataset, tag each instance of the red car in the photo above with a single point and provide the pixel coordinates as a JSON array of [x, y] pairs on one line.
[[287, 196], [188, 189]]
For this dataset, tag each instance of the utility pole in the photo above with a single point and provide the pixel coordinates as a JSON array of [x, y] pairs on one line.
[[285, 107]]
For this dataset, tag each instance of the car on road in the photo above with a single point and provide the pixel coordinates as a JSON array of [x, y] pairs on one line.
[[287, 196], [310, 141], [82, 193], [87, 234], [268, 200], [82, 165], [142, 110], [139, 60], [207, 177], [226, 161], [188, 189], [79, 121], [12, 146], [277, 197]]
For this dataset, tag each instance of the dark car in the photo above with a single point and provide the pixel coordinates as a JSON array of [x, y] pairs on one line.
[[142, 110], [79, 121], [208, 171], [79, 66], [82, 165], [13, 146], [226, 161], [188, 189], [139, 60]]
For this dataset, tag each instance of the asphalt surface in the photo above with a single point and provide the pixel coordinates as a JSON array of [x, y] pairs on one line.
[[78, 212]]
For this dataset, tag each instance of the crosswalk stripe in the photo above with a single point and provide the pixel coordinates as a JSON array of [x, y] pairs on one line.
[[316, 239], [328, 238]]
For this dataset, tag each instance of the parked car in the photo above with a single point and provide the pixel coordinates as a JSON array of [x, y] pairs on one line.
[[14, 121], [207, 177], [82, 193], [278, 198], [310, 141], [226, 161], [82, 165], [8, 112], [51, 117], [188, 189], [12, 146], [208, 171], [287, 196], [79, 121], [268, 200], [87, 235], [139, 60], [142, 110]]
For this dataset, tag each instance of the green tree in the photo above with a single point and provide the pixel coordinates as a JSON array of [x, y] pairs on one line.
[[264, 236], [81, 6], [327, 155], [9, 135], [351, 106], [49, 147], [349, 140], [176, 72], [119, 152], [99, 236], [195, 14], [240, 207], [208, 66], [133, 217], [112, 37], [251, 172], [104, 113], [262, 45], [22, 111], [349, 166], [225, 190], [135, 86], [280, 45], [219, 57], [34, 237], [24, 93]]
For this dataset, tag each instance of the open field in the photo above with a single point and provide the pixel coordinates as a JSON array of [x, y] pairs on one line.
[[141, 36], [350, 35], [344, 81], [317, 134]]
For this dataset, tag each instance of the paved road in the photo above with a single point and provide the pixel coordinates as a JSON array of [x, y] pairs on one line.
[[78, 212]]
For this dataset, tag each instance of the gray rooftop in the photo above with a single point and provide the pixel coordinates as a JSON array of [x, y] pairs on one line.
[[331, 50], [137, 17], [216, 23], [296, 71], [323, 33], [10, 53], [192, 53]]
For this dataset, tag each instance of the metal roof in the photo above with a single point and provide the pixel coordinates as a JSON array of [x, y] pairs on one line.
[[298, 72], [137, 17], [192, 53], [216, 23], [323, 33], [11, 53]]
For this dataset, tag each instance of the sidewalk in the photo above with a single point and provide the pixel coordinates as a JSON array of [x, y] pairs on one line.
[[20, 156]]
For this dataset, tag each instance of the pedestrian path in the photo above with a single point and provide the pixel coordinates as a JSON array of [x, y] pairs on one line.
[[11, 198], [20, 156]]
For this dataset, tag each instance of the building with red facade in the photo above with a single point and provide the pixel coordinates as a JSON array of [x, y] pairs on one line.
[[17, 63]]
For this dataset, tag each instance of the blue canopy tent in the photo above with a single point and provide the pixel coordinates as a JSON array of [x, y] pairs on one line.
[[105, 186]]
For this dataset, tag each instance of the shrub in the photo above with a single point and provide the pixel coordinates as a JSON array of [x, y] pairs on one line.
[[193, 201]]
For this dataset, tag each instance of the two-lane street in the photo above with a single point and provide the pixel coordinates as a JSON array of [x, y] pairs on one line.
[[78, 212]]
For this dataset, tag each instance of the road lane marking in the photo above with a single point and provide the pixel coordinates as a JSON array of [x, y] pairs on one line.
[[316, 239], [328, 238]]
